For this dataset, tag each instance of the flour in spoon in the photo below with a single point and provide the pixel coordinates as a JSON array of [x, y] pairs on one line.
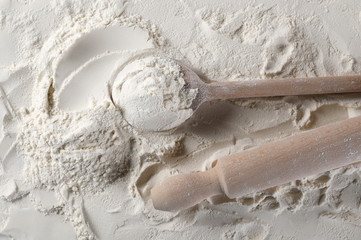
[[152, 94]]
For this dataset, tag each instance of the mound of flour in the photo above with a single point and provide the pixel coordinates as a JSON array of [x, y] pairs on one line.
[[151, 94], [83, 152]]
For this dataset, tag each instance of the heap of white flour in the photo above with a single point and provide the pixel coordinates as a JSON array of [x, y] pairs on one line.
[[83, 152], [152, 94]]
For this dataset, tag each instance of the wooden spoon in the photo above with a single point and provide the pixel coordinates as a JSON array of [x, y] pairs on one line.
[[153, 118], [262, 88], [272, 164]]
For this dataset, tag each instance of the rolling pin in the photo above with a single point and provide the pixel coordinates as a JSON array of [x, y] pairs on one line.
[[312, 152]]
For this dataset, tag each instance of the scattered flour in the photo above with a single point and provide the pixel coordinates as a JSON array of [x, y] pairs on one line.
[[101, 169], [152, 94], [82, 151]]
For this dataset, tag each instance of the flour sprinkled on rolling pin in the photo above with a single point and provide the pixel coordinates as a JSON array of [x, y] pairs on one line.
[[272, 164]]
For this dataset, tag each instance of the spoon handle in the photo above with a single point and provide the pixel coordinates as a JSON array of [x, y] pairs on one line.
[[284, 87], [269, 165]]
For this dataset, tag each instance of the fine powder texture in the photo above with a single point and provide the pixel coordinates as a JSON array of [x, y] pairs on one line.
[[152, 94], [83, 152], [74, 166]]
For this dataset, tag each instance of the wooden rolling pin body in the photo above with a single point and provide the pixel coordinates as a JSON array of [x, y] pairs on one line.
[[269, 165]]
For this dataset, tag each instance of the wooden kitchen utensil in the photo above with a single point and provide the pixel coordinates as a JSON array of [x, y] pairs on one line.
[[222, 90], [269, 165], [264, 88]]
